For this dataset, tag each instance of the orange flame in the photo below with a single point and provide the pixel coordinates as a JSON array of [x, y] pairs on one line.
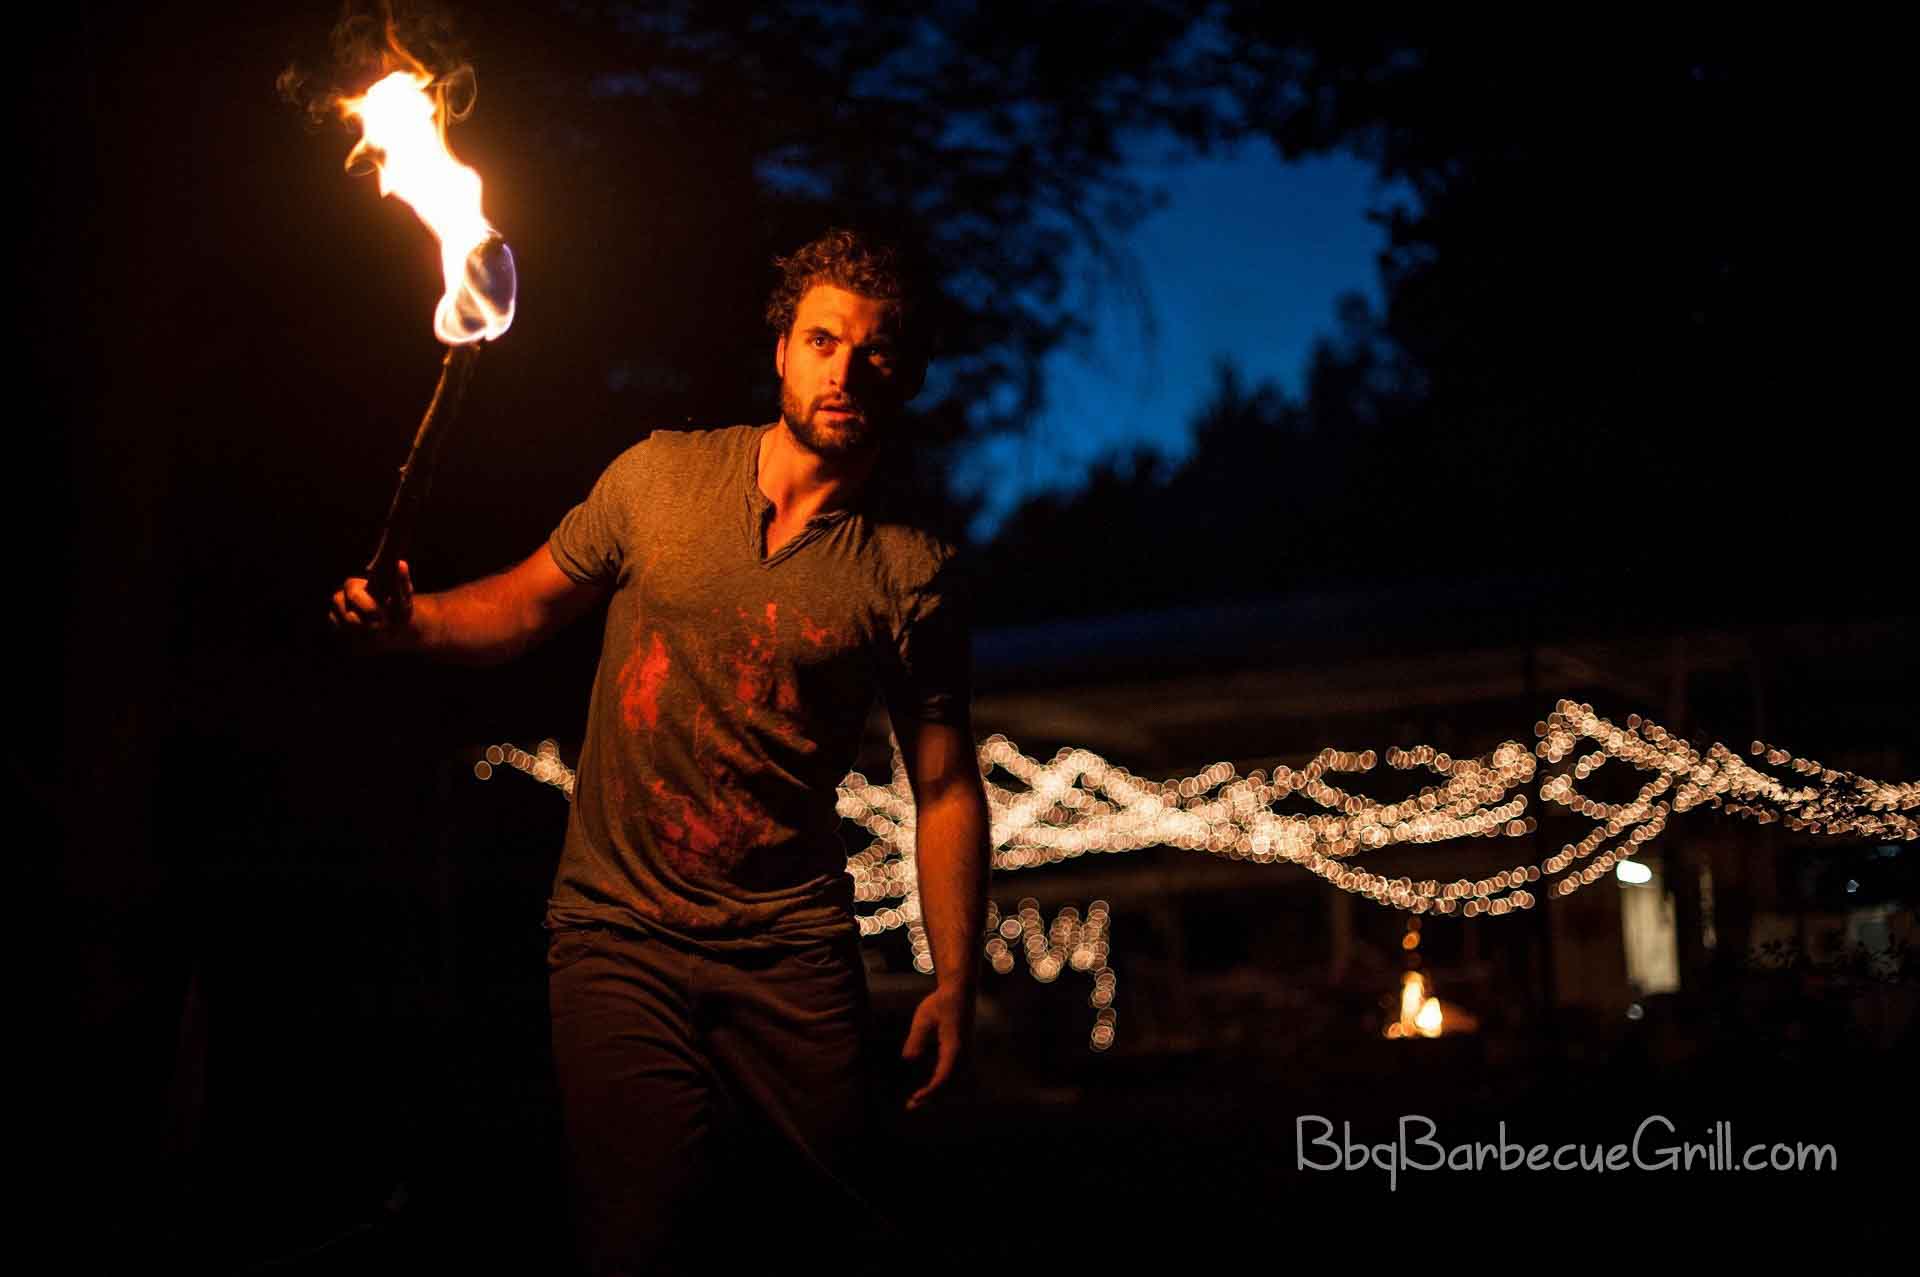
[[1420, 1013], [402, 133], [1413, 991]]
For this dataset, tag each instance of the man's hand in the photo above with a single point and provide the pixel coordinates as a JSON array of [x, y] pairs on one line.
[[944, 1016], [356, 612], [482, 622]]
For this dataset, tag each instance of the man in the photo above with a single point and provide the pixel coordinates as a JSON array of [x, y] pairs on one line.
[[704, 958]]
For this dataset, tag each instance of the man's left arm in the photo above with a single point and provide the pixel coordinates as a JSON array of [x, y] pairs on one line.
[[955, 863]]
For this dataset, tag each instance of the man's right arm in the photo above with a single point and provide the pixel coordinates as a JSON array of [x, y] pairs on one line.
[[483, 622]]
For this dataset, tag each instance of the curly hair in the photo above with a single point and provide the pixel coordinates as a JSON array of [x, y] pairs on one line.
[[860, 263]]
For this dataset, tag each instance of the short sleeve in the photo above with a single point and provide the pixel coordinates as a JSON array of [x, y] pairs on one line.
[[930, 676], [590, 544]]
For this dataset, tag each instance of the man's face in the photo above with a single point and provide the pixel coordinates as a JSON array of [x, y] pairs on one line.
[[843, 374]]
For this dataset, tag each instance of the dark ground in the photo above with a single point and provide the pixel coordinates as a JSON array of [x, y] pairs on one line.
[[376, 1098]]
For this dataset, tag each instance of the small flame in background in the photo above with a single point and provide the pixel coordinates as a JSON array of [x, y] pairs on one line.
[[1420, 1015], [402, 122]]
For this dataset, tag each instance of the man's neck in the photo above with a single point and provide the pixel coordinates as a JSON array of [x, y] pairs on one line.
[[801, 483]]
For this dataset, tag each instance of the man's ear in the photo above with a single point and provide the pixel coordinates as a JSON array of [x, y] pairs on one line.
[[780, 357]]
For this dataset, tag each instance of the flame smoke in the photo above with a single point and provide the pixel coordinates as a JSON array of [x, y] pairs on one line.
[[369, 44]]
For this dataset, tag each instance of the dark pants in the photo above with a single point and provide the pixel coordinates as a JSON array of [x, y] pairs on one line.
[[712, 1105]]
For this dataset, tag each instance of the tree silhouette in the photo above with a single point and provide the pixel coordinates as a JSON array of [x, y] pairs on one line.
[[1273, 497], [1633, 327]]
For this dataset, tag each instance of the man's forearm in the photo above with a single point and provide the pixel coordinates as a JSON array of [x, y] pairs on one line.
[[479, 623], [955, 866]]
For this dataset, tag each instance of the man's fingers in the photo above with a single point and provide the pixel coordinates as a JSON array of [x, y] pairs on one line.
[[358, 596], [949, 1060], [356, 610], [916, 1039], [949, 1037], [361, 600], [941, 1072]]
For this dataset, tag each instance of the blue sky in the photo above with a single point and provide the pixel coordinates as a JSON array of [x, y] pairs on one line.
[[1245, 261]]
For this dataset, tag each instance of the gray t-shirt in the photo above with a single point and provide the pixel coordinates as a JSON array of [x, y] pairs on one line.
[[733, 689]]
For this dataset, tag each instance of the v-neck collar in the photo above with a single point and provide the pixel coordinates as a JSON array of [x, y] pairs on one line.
[[759, 509]]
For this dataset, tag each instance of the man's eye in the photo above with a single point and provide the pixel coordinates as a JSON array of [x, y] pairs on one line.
[[820, 341]]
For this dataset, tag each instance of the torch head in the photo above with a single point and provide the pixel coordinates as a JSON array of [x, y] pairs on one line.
[[482, 306]]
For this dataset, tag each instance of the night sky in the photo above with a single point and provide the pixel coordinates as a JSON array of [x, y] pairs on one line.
[[1242, 264]]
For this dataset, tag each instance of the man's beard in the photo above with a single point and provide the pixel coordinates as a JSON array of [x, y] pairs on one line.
[[855, 434]]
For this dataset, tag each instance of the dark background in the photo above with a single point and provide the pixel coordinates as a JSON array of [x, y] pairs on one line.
[[1642, 352]]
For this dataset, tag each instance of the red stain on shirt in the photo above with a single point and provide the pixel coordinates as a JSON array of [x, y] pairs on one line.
[[703, 833], [757, 680], [679, 830], [747, 728], [818, 635], [641, 679], [753, 664]]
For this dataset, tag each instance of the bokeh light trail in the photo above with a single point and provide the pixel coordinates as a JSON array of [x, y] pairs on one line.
[[1079, 804]]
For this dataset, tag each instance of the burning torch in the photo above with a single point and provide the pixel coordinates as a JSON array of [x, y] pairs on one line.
[[403, 136]]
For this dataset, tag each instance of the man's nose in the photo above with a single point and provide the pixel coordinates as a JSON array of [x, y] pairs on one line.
[[840, 364]]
